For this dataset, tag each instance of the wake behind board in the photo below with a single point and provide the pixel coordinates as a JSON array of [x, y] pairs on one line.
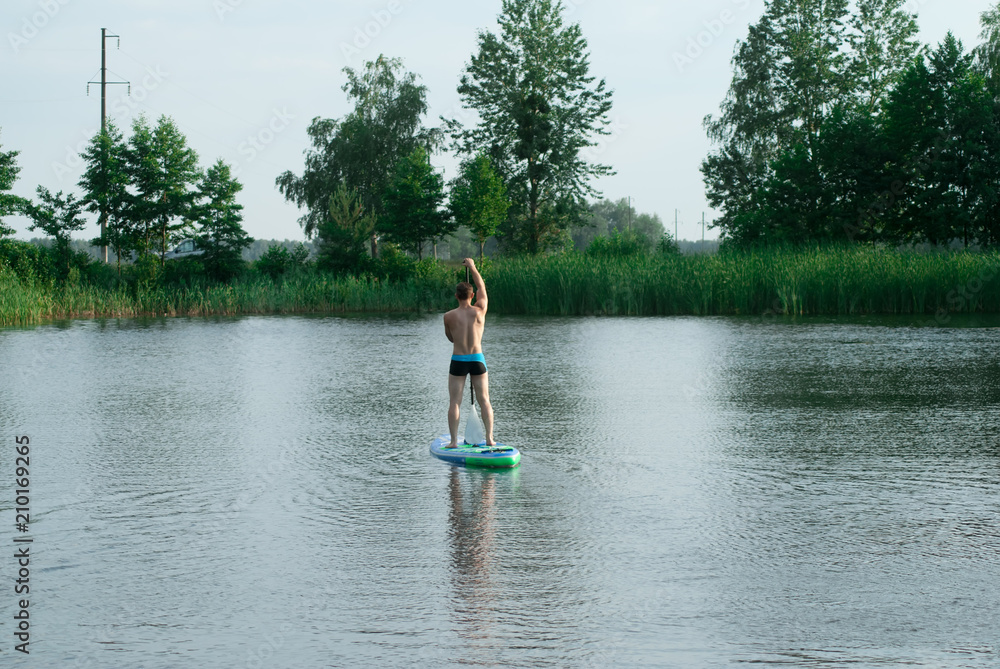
[[497, 457]]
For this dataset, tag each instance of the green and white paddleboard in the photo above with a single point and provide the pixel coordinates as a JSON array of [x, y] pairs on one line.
[[497, 457]]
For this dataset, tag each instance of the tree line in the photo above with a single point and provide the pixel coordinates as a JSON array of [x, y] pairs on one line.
[[523, 178], [147, 192], [840, 126], [368, 181]]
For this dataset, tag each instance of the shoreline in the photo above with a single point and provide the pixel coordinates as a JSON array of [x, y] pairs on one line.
[[768, 283]]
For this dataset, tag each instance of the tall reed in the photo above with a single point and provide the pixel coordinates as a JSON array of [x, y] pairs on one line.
[[24, 303], [819, 281]]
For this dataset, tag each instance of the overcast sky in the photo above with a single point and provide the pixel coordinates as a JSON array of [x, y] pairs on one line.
[[243, 79]]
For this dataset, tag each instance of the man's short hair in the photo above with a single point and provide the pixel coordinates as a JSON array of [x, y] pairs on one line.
[[464, 291]]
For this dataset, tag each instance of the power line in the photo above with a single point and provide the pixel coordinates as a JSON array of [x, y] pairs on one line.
[[104, 114], [36, 102]]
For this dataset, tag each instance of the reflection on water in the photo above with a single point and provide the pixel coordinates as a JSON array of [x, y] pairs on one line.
[[472, 532], [257, 492]]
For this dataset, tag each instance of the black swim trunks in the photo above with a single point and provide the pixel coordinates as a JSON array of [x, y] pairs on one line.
[[462, 365]]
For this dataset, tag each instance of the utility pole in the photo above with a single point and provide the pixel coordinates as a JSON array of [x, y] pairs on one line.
[[703, 232], [630, 213], [676, 240], [104, 115]]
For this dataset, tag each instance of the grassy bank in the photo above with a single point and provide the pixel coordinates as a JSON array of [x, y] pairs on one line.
[[23, 304], [839, 281], [833, 281]]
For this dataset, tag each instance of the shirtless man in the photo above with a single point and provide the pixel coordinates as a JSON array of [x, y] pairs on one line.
[[464, 328]]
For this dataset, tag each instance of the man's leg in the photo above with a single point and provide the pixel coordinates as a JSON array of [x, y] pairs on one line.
[[456, 389], [482, 385]]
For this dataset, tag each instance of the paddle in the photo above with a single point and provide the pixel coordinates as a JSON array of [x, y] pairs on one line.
[[474, 432]]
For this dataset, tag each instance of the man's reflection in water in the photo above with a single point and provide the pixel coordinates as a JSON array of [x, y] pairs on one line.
[[473, 542]]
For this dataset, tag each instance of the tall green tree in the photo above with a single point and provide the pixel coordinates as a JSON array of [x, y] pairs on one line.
[[942, 126], [162, 172], [812, 70], [179, 176], [815, 195], [788, 75], [883, 41], [219, 218], [342, 233], [538, 109], [143, 173], [413, 204], [479, 199], [807, 70], [9, 204], [58, 216], [361, 150], [105, 183], [751, 130], [988, 53]]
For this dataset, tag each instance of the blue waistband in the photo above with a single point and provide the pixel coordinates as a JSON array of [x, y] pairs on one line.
[[475, 357]]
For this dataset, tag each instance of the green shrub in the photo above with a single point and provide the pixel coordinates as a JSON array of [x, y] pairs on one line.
[[277, 261], [300, 256], [618, 245], [100, 275], [184, 272], [146, 272], [432, 270], [28, 261], [667, 246], [393, 264], [274, 263]]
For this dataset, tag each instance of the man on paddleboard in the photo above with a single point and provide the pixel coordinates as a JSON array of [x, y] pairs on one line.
[[464, 328]]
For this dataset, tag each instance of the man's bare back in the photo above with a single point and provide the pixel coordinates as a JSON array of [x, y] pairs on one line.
[[464, 328]]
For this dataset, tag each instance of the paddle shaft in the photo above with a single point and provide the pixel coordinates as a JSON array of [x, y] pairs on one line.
[[472, 389]]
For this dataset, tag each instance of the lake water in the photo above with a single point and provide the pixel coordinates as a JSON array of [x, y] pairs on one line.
[[257, 492]]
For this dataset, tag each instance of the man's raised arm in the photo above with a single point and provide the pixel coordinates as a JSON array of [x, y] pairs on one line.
[[477, 281]]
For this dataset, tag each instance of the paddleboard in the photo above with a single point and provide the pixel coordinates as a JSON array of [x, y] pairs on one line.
[[498, 457]]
